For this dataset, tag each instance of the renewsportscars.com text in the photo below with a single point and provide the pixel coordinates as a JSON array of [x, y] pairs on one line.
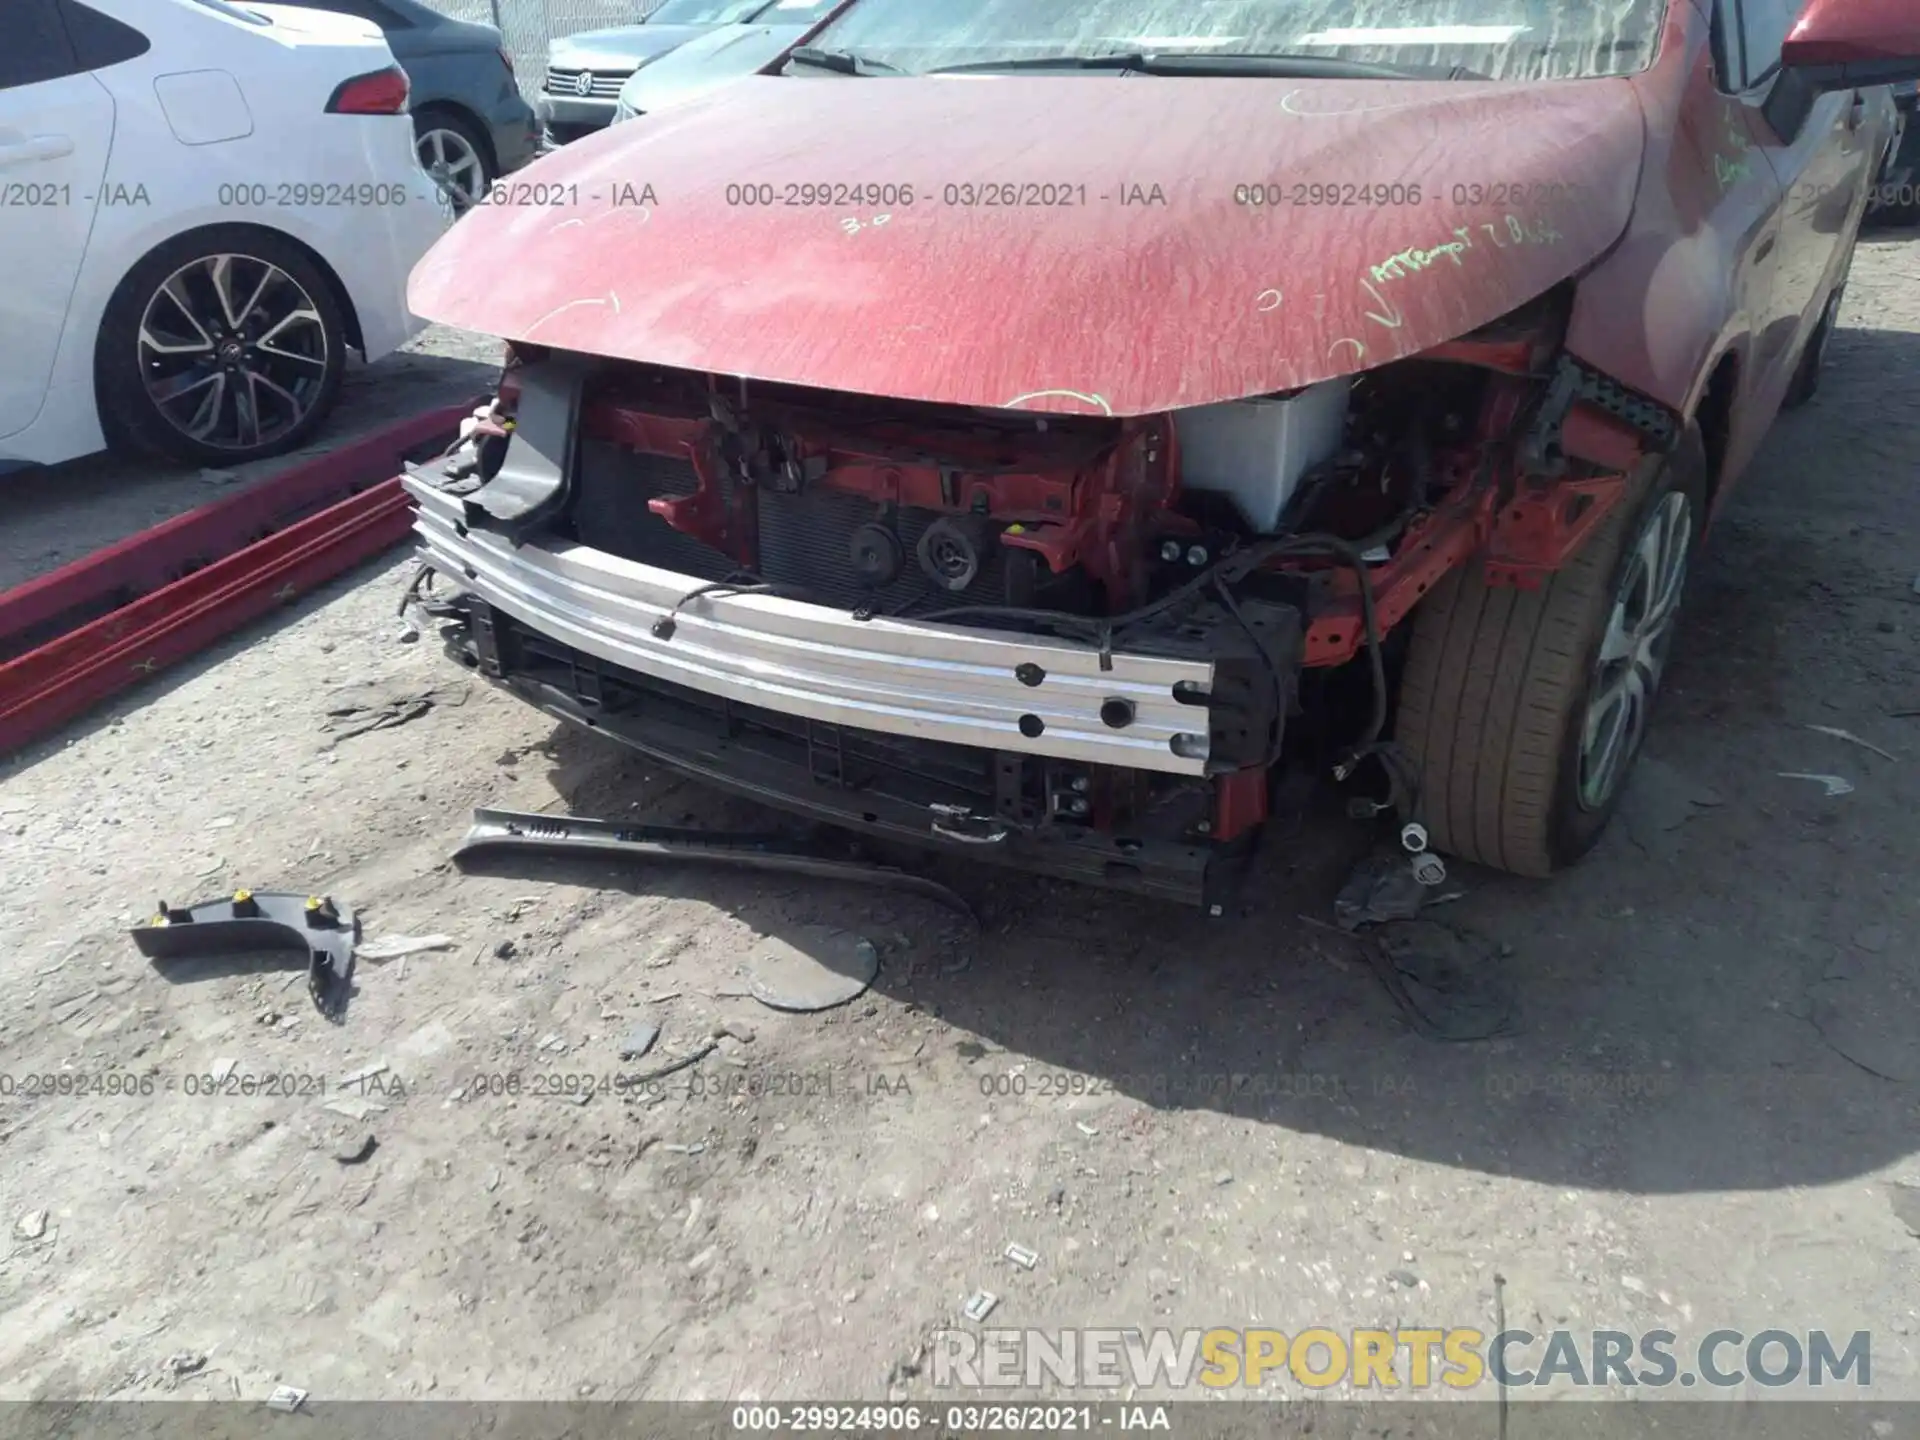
[[1460, 1358]]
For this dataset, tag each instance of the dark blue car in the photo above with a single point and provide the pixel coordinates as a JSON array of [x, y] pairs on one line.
[[1897, 202], [469, 118]]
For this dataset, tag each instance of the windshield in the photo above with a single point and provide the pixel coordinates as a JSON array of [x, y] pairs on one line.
[[1503, 39], [703, 12]]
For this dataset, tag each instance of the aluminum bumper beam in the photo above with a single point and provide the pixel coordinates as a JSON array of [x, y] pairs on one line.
[[1034, 696]]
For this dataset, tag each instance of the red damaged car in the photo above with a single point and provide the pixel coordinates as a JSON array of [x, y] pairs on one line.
[[1037, 427]]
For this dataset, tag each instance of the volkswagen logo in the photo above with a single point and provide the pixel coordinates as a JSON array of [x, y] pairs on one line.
[[583, 83]]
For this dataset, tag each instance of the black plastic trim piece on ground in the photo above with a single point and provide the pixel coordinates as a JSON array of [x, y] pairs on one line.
[[262, 920], [512, 830]]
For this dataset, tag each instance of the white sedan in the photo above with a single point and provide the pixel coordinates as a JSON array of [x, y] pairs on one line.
[[203, 207]]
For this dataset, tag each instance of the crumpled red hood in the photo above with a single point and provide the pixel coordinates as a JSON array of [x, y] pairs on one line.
[[1129, 303]]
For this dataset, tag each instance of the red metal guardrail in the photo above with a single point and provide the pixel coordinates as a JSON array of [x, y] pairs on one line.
[[88, 630]]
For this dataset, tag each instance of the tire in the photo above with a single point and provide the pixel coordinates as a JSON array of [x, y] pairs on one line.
[[1813, 360], [174, 378], [1495, 696], [455, 154]]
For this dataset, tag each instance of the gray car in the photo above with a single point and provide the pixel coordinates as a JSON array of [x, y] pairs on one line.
[[470, 120], [1896, 200], [725, 53], [585, 71]]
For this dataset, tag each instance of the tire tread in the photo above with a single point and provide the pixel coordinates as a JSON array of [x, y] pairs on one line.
[[1491, 683]]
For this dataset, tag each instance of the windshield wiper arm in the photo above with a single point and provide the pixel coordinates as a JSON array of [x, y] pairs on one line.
[[841, 62], [1304, 67], [1131, 61], [1295, 67], [1291, 67]]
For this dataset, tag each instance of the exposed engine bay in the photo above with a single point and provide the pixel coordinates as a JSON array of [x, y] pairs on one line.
[[865, 607], [917, 510]]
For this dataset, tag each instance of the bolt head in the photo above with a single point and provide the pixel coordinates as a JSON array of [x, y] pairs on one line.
[[1197, 556]]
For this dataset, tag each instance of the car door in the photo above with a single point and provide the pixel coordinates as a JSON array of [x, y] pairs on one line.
[[1822, 157], [56, 126]]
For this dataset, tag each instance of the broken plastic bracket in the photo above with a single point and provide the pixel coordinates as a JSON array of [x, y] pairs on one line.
[[262, 920], [511, 830], [534, 480]]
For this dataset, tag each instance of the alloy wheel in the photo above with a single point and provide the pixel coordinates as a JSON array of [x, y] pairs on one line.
[[449, 157], [1633, 652], [232, 351]]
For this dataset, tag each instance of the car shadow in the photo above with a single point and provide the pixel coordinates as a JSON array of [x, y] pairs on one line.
[[1722, 997]]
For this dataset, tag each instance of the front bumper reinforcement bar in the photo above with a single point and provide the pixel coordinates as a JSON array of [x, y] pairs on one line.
[[1029, 695]]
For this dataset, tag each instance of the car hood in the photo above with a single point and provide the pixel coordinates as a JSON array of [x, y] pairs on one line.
[[728, 53], [1159, 291], [619, 49]]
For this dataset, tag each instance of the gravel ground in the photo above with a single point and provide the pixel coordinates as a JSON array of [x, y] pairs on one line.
[[1701, 1114]]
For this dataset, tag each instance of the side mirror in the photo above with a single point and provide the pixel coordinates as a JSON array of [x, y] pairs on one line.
[[1852, 44]]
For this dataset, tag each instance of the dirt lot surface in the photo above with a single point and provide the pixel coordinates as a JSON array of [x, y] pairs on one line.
[[1701, 1114]]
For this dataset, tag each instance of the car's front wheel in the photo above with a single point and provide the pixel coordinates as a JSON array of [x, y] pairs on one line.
[[1525, 709], [221, 346]]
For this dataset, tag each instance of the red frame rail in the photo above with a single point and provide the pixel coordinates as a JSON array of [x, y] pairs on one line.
[[107, 621]]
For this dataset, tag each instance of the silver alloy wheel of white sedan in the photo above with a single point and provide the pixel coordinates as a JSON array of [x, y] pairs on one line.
[[233, 351], [456, 167]]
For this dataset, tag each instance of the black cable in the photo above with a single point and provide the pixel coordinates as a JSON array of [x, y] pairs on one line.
[[1314, 484], [740, 582], [1281, 694], [1187, 590], [1063, 618], [1403, 778], [1352, 553], [1235, 565], [1222, 572], [412, 591]]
